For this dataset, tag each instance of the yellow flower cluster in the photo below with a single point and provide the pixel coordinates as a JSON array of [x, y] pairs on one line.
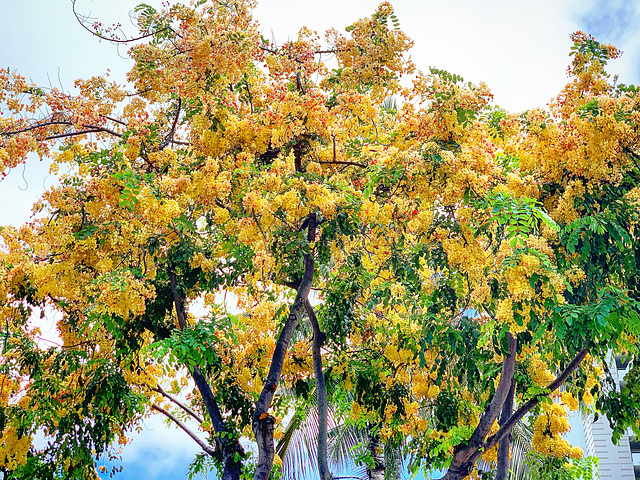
[[399, 356], [13, 448], [540, 374], [569, 400], [466, 254], [122, 294], [547, 433], [423, 385], [249, 382]]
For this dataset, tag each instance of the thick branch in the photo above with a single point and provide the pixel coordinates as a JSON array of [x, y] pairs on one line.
[[262, 421], [321, 393], [232, 451], [502, 468], [464, 459], [189, 432], [505, 429], [169, 138], [39, 125], [173, 399], [203, 386], [90, 129], [522, 411], [82, 132]]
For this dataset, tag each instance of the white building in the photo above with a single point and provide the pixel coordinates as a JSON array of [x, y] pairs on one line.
[[617, 462]]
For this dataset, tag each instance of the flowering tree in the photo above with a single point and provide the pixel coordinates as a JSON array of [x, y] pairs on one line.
[[468, 262]]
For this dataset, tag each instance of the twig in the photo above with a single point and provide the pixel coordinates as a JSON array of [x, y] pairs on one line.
[[82, 23]]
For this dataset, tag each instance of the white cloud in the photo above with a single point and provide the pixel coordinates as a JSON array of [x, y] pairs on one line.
[[169, 447]]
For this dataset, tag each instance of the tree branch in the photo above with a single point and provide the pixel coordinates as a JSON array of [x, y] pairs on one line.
[[232, 451], [465, 463], [189, 432], [169, 137], [464, 459], [90, 129], [39, 125], [343, 162], [262, 421], [115, 120], [522, 411], [321, 392], [82, 132], [173, 399]]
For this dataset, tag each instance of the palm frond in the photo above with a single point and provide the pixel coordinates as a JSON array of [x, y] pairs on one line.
[[342, 439], [521, 436], [298, 447]]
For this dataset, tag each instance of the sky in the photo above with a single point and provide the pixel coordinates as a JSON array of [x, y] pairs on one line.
[[518, 47]]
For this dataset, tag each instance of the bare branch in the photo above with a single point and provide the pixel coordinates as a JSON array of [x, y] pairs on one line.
[[82, 21], [267, 49], [232, 451], [169, 138], [115, 120], [38, 125], [173, 399], [90, 129], [189, 432], [83, 132]]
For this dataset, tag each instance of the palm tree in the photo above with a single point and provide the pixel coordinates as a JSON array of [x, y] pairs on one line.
[[298, 448]]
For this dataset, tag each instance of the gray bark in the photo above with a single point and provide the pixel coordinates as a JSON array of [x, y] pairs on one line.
[[262, 421], [465, 458], [502, 469], [321, 394]]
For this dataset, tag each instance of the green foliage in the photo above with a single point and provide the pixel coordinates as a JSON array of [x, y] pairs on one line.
[[516, 218], [550, 468]]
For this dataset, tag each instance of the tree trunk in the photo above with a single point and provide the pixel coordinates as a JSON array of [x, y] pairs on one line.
[[262, 421], [466, 457], [502, 469], [321, 394], [379, 469]]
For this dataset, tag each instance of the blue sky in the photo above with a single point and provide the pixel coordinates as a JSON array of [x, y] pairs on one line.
[[518, 47]]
